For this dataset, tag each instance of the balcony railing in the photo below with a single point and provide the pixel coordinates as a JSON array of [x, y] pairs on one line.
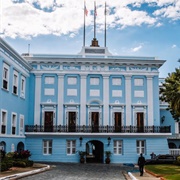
[[98, 129], [174, 152]]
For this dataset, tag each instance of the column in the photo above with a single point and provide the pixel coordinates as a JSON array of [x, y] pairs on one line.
[[128, 100], [37, 102], [83, 100], [106, 99], [60, 99], [150, 100]]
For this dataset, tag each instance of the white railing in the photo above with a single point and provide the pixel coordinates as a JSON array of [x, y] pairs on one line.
[[174, 152]]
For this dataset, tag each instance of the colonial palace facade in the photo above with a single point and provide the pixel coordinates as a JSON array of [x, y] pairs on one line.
[[56, 105]]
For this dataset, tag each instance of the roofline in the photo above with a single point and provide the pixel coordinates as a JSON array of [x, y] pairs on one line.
[[97, 60], [14, 54]]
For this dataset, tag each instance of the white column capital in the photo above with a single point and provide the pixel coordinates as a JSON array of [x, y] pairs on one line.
[[149, 77], [83, 76], [105, 76], [38, 75], [128, 77], [60, 75]]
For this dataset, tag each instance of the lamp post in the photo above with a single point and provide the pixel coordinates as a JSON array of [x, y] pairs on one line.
[[109, 141], [80, 139]]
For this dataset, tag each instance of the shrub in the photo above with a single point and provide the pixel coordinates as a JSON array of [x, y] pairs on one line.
[[30, 163], [177, 162], [24, 154], [19, 164], [2, 154], [3, 167], [10, 155]]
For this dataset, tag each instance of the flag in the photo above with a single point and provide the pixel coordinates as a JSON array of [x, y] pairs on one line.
[[85, 10], [95, 11], [105, 10]]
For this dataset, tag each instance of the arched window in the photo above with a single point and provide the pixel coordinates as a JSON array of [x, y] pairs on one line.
[[20, 146]]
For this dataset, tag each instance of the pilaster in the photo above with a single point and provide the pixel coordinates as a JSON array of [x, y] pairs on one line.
[[128, 99], [106, 99], [37, 106]]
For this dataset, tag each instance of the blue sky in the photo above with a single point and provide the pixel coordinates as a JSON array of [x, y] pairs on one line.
[[134, 27]]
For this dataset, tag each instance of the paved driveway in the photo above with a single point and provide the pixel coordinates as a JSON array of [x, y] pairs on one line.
[[71, 171]]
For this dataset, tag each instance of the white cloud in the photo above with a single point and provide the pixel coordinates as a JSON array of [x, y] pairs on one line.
[[136, 48], [29, 18], [174, 46], [159, 24]]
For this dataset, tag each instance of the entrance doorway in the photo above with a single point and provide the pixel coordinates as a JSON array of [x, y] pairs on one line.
[[72, 121], [140, 122], [117, 121], [20, 147], [48, 121], [94, 151], [95, 121]]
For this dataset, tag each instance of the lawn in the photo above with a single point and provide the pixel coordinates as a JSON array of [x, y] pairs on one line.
[[168, 171]]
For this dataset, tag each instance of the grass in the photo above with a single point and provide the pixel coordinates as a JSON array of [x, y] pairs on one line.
[[168, 171]]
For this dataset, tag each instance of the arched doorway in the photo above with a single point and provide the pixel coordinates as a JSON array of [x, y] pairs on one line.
[[94, 151], [172, 145], [20, 146], [3, 146]]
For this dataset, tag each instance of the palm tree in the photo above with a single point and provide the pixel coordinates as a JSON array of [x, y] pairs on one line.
[[170, 93]]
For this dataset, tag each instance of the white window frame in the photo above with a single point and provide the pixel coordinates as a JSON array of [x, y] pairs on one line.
[[47, 146], [23, 86], [15, 82], [5, 75], [13, 122], [49, 80], [94, 81], [72, 80], [141, 146], [21, 125], [138, 82], [116, 81], [118, 147], [70, 147], [3, 120]]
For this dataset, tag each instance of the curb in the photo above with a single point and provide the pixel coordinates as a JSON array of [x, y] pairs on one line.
[[24, 174], [131, 176]]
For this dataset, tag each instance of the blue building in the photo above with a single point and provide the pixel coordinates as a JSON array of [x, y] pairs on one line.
[[55, 105]]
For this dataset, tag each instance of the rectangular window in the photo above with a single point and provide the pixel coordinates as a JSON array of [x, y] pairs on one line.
[[72, 80], [47, 147], [5, 76], [141, 146], [138, 82], [14, 117], [49, 80], [23, 85], [118, 147], [71, 146], [21, 125], [116, 81], [15, 83], [94, 81], [4, 120]]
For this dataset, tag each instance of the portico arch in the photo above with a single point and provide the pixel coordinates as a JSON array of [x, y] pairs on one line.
[[94, 151]]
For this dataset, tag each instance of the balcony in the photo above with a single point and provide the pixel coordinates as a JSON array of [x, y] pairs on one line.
[[174, 152], [98, 129]]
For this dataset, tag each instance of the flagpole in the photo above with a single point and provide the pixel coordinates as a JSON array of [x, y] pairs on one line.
[[105, 27], [94, 19], [84, 24]]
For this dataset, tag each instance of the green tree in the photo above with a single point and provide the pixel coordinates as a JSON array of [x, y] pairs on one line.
[[170, 93]]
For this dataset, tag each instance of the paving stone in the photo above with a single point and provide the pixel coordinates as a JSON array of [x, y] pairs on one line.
[[72, 171]]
